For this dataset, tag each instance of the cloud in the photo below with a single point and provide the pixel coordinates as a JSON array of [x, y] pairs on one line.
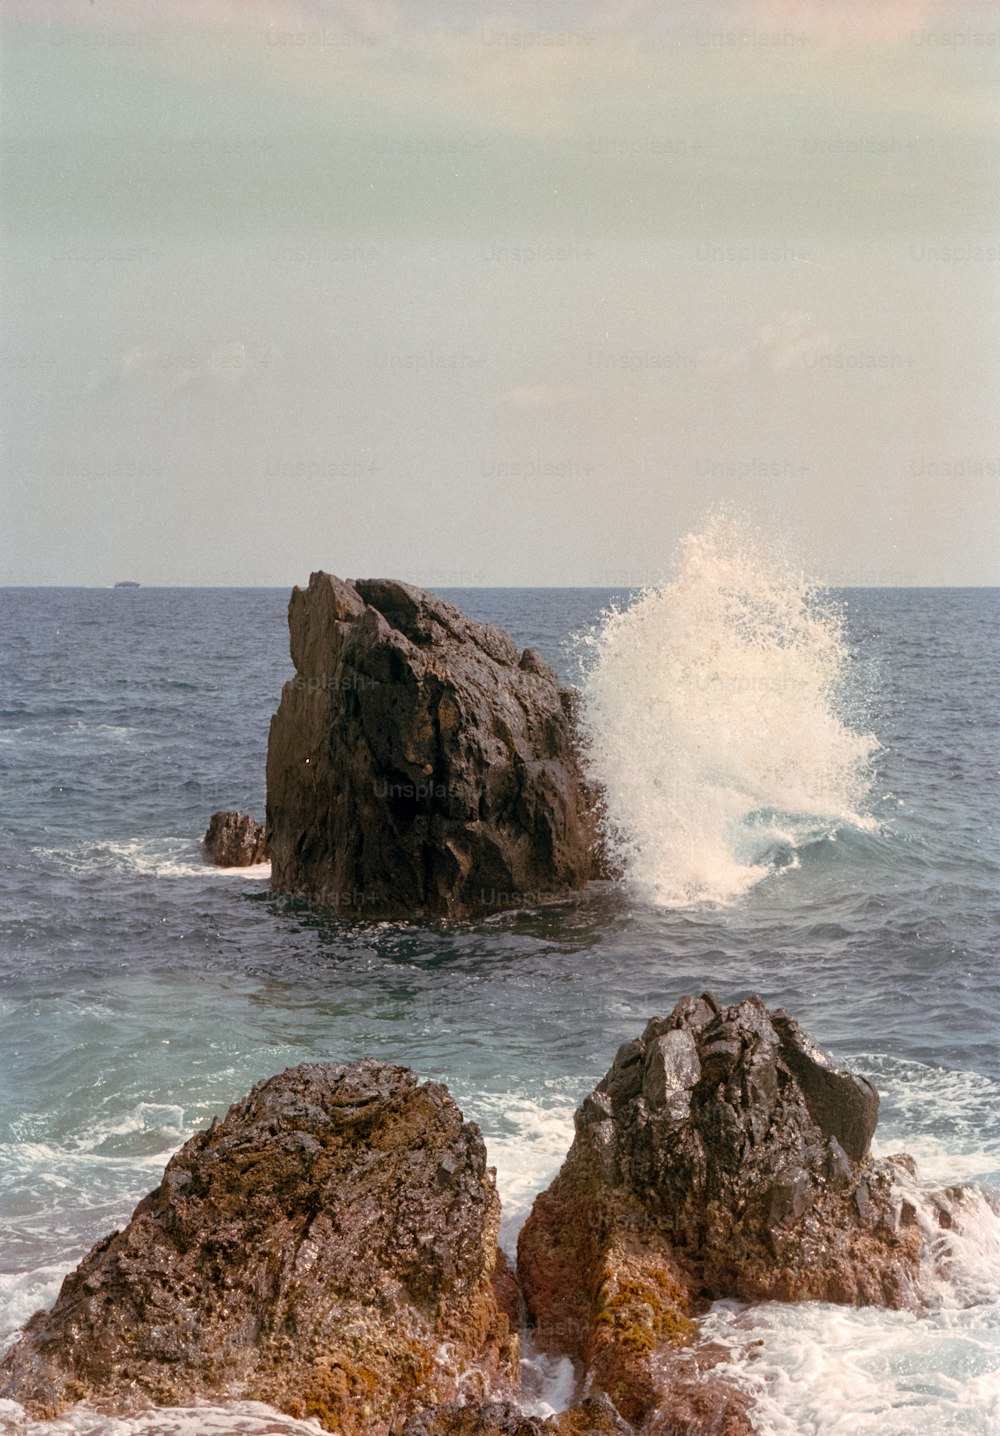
[[849, 21], [785, 342], [531, 398]]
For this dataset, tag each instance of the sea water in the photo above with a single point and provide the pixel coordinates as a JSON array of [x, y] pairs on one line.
[[803, 791]]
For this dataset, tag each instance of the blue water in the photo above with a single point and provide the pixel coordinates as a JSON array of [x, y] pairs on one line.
[[142, 991]]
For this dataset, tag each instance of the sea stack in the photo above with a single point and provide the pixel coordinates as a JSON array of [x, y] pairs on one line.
[[419, 765]]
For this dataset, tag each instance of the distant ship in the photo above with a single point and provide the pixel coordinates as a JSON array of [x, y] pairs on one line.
[[126, 583]]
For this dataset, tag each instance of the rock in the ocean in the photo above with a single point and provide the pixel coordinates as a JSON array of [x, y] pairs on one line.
[[474, 1418], [235, 840], [721, 1155], [418, 764], [328, 1248]]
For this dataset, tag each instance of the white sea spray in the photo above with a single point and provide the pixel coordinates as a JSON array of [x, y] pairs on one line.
[[713, 721]]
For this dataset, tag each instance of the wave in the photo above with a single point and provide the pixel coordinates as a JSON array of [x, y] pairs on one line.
[[947, 1119], [818, 1370], [713, 720]]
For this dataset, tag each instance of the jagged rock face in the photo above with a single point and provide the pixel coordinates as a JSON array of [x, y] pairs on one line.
[[721, 1155], [418, 764], [328, 1248], [235, 840]]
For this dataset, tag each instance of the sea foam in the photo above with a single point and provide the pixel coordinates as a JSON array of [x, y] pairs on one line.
[[713, 721]]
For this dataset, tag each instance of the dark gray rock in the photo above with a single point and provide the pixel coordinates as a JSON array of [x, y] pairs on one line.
[[842, 1104], [418, 764], [721, 1155]]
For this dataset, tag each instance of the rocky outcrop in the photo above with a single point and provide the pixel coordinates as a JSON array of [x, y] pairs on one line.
[[721, 1155], [418, 764], [328, 1248], [234, 840]]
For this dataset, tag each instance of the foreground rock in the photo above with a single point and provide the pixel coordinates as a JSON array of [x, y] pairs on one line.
[[720, 1156], [329, 1248], [234, 840], [418, 763]]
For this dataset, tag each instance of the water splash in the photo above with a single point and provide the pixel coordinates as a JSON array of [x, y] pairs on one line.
[[713, 721]]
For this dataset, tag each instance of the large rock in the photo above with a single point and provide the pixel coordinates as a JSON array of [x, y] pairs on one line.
[[721, 1155], [328, 1248], [234, 840], [419, 764]]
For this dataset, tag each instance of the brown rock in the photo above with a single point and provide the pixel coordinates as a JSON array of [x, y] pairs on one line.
[[418, 764], [695, 1400], [235, 841], [595, 1416], [328, 1248], [721, 1155]]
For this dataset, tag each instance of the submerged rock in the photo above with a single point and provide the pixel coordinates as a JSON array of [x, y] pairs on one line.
[[486, 1418], [328, 1248], [234, 840], [721, 1155], [594, 1416], [419, 764]]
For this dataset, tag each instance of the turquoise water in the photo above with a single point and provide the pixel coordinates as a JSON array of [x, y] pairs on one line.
[[141, 991]]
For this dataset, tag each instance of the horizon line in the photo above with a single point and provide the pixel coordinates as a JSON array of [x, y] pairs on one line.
[[489, 587]]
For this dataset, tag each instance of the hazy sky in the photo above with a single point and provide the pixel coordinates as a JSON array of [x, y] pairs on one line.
[[497, 293]]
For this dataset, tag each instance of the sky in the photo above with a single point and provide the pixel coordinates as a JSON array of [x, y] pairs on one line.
[[499, 294]]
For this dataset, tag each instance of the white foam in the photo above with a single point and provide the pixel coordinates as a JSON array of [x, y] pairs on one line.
[[177, 858], [947, 1119], [22, 1293], [259, 872], [548, 1384], [818, 1370], [711, 721], [527, 1142], [49, 732], [153, 857], [240, 1418]]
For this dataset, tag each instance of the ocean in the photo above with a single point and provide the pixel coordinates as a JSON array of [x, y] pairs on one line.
[[807, 810]]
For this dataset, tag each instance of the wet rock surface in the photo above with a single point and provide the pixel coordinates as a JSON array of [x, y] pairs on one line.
[[419, 764], [328, 1248], [721, 1155], [593, 1416], [234, 840]]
